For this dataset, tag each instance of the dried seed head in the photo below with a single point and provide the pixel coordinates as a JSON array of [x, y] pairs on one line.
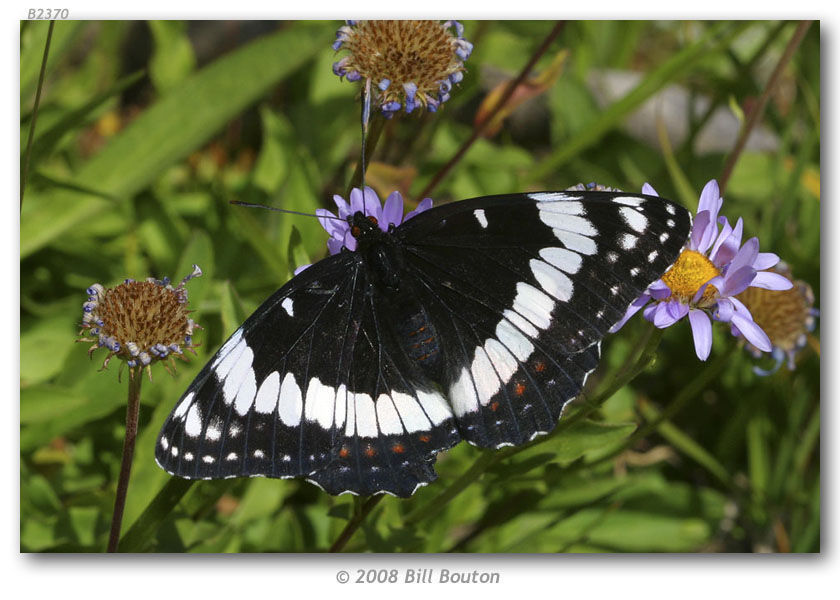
[[139, 322], [410, 63]]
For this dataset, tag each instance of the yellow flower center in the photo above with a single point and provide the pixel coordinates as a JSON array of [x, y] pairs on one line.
[[688, 275], [419, 52]]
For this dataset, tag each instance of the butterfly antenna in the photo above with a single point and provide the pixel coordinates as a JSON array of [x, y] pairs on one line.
[[284, 210]]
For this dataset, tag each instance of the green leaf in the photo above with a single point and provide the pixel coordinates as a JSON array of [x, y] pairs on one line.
[[33, 40], [144, 528], [168, 131], [588, 436], [173, 58]]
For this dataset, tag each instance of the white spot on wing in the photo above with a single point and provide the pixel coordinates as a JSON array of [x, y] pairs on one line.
[[214, 430], [567, 222], [259, 453], [164, 443], [523, 324], [413, 418], [552, 280], [238, 373], [245, 395], [224, 367], [503, 361], [290, 404], [287, 306], [561, 208], [553, 196], [652, 256], [481, 217], [563, 259], [320, 403], [628, 241], [181, 410], [628, 200], [389, 419], [365, 416], [533, 304], [266, 400], [434, 405], [486, 381], [576, 242], [193, 425], [664, 237], [462, 394], [208, 459], [514, 341], [636, 220], [228, 346], [341, 400]]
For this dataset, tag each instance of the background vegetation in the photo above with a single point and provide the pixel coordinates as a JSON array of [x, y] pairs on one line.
[[146, 131]]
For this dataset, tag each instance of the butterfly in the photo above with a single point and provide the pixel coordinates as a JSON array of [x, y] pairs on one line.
[[477, 320]]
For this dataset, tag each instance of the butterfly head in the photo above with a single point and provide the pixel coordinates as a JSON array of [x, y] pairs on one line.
[[365, 228]]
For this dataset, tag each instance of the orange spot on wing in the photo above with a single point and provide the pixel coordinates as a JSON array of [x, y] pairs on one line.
[[519, 389], [494, 406], [424, 437], [539, 367], [369, 451], [344, 452], [398, 448]]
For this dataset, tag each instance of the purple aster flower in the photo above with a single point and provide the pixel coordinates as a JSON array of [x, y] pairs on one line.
[[411, 64], [704, 281], [391, 213]]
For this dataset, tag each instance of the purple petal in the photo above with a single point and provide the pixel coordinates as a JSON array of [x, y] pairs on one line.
[[332, 224], [334, 245], [662, 317], [771, 281], [357, 203], [343, 207], [752, 332], [677, 310], [701, 329], [393, 211], [710, 199], [725, 231], [349, 241], [725, 310], [424, 205], [729, 246], [302, 268], [648, 190], [736, 282], [659, 290], [699, 230], [373, 207], [765, 260], [634, 307], [745, 256]]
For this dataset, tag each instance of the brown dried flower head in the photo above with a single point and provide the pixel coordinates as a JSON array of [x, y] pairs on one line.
[[139, 322], [785, 316]]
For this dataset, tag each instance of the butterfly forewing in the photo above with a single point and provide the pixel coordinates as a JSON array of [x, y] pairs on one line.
[[477, 320]]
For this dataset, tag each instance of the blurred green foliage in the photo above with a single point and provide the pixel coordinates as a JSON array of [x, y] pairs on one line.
[[147, 130]]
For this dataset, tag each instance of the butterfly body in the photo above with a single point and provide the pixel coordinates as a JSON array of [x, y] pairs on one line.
[[477, 321]]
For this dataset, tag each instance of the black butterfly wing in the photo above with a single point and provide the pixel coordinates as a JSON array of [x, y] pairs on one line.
[[311, 385], [523, 288]]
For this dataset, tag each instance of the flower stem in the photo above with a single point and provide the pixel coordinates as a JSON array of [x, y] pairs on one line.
[[354, 523], [377, 124], [478, 129], [24, 171], [131, 418], [755, 114]]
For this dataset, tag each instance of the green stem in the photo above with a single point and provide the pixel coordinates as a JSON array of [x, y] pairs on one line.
[[355, 522], [131, 417], [755, 114], [24, 172], [148, 523], [377, 125], [479, 129]]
